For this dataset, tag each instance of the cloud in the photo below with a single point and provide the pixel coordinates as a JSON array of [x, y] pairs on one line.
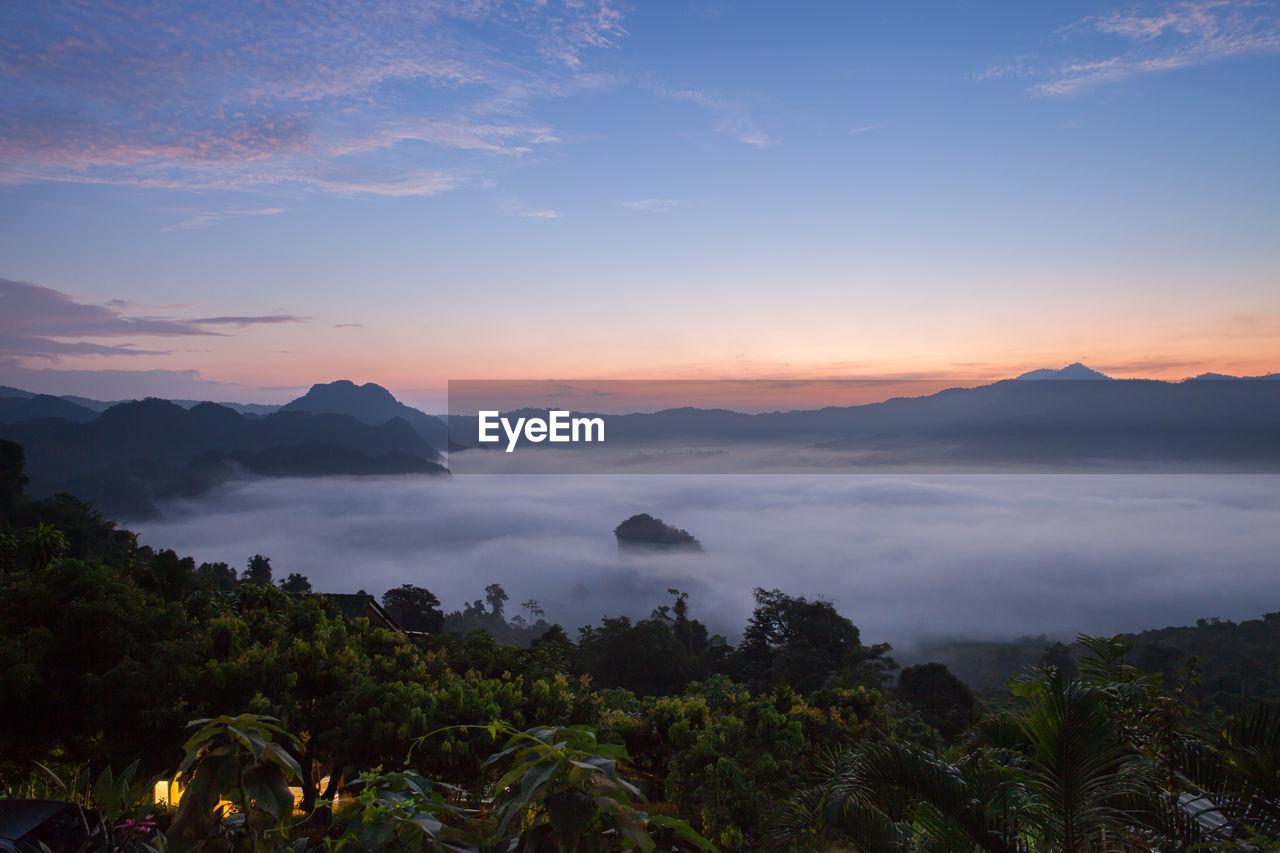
[[1017, 67], [261, 320], [512, 205], [385, 181], [37, 321], [251, 94], [732, 117], [203, 218], [135, 384], [1152, 38], [866, 128], [905, 557], [32, 309], [1172, 36], [17, 346], [653, 205]]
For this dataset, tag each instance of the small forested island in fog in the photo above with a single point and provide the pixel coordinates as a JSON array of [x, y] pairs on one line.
[[644, 531]]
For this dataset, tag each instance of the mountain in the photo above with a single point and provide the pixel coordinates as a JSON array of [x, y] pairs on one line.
[[1117, 424], [16, 409], [1071, 371], [136, 453], [370, 404], [98, 406], [242, 408], [1205, 376]]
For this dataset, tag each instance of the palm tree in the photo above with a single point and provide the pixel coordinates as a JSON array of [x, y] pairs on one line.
[[1057, 778], [1237, 775]]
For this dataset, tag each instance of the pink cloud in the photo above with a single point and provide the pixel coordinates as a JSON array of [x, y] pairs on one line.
[[242, 94]]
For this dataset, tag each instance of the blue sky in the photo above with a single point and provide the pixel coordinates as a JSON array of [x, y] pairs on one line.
[[244, 198]]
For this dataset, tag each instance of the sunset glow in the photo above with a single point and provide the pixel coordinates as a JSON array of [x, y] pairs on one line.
[[194, 208]]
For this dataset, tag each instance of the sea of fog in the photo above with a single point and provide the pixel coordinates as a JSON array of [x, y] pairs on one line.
[[904, 557]]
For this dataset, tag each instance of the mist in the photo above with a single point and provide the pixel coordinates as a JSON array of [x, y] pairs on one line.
[[906, 558]]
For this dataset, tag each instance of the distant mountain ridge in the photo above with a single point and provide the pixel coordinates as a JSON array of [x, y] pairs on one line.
[[17, 409], [1079, 419], [99, 406], [1070, 372], [136, 453], [1204, 376], [368, 403]]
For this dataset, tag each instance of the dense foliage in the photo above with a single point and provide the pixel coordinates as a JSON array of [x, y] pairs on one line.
[[479, 729]]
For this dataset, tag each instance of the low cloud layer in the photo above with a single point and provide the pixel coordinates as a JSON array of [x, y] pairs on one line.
[[904, 557]]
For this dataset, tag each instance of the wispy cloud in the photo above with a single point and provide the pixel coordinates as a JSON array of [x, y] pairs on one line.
[[653, 205], [1153, 38], [21, 346], [866, 128], [516, 207], [121, 384], [1019, 66], [203, 218], [261, 320], [732, 117], [157, 94], [40, 322]]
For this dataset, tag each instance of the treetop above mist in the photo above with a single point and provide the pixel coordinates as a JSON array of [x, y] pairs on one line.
[[643, 529]]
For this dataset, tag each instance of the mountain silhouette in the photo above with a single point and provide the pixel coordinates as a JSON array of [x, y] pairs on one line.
[[136, 453], [1071, 371], [1116, 424], [370, 404], [8, 393], [1205, 376], [16, 409]]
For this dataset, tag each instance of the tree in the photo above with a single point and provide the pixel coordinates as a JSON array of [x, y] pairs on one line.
[[296, 584], [570, 796], [415, 608], [12, 479], [645, 657], [217, 577], [92, 666], [1059, 656], [496, 596], [942, 699], [733, 760], [806, 644], [1061, 775], [258, 571]]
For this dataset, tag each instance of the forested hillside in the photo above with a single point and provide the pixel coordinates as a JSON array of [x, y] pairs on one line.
[[801, 736]]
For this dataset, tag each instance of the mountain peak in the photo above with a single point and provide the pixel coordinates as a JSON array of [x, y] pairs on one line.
[[368, 403], [1071, 371], [345, 389]]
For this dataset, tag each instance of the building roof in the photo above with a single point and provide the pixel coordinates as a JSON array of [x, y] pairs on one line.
[[363, 606]]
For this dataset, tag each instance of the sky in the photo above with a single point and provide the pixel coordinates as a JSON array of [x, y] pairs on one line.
[[234, 200]]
